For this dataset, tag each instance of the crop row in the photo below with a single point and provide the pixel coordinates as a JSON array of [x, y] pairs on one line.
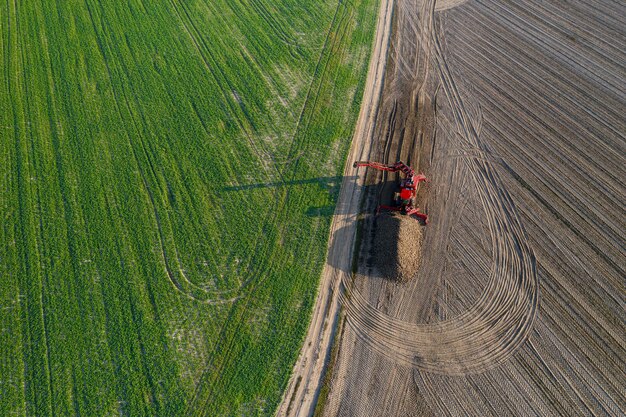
[[167, 170]]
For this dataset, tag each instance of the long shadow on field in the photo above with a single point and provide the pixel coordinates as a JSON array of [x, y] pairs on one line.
[[328, 184], [378, 254]]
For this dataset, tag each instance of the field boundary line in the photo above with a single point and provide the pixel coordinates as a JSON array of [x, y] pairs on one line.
[[301, 394]]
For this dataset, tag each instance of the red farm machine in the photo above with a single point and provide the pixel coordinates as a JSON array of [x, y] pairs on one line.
[[405, 197]]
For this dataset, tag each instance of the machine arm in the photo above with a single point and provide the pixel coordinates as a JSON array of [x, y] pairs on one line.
[[408, 187], [398, 166], [378, 165]]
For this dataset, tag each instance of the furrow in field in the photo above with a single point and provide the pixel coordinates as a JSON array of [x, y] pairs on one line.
[[484, 332], [552, 82], [546, 166]]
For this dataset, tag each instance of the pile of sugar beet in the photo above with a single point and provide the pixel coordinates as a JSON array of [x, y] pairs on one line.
[[397, 242]]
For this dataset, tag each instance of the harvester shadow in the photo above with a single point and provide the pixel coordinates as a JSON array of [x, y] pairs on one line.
[[331, 185], [376, 251], [376, 247], [327, 183]]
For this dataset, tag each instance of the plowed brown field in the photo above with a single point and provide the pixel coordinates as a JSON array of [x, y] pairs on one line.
[[515, 111]]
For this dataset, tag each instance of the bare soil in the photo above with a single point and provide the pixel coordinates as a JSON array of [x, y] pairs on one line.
[[514, 110]]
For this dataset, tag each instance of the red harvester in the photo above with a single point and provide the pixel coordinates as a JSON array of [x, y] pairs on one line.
[[408, 187]]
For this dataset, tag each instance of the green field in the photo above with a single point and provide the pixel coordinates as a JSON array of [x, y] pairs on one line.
[[167, 175]]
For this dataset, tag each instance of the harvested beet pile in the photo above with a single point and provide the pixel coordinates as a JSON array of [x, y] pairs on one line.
[[397, 242]]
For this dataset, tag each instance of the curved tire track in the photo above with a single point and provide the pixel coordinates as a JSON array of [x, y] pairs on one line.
[[501, 319]]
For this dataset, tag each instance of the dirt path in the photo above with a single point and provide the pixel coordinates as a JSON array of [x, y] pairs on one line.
[[303, 388]]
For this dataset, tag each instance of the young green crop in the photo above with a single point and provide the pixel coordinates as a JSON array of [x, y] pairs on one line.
[[167, 172]]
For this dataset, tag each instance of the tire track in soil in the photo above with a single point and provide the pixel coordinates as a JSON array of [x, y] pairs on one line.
[[501, 319], [550, 147], [184, 285], [200, 44], [176, 276]]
